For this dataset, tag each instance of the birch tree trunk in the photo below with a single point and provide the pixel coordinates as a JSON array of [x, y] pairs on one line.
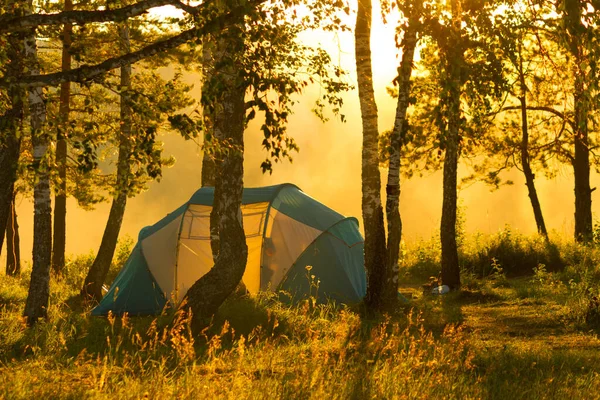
[[392, 206], [372, 210], [10, 140], [209, 167], [208, 293], [92, 287], [36, 305], [60, 206], [451, 138], [208, 163], [13, 242]]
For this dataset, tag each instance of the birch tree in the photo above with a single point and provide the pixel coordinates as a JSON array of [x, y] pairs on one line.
[[252, 69], [229, 246], [460, 76], [372, 209], [413, 13], [270, 67], [36, 305], [381, 253]]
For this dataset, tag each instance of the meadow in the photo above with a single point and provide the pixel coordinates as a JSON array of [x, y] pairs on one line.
[[524, 326]]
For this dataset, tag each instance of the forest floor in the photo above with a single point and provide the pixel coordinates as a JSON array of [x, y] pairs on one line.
[[529, 337]]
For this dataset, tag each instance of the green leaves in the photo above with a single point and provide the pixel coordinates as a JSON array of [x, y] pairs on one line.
[[187, 127], [274, 67]]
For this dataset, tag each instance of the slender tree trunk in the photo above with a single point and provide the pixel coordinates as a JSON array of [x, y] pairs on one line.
[[10, 140], [372, 210], [451, 139], [36, 305], [392, 206], [60, 206], [92, 287], [529, 175], [13, 246], [208, 293], [527, 171], [575, 31]]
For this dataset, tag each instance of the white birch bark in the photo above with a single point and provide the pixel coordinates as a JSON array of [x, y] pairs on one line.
[[36, 305], [372, 210], [393, 184]]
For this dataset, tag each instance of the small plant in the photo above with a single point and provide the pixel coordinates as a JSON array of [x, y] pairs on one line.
[[313, 291], [596, 233], [541, 275], [497, 269]]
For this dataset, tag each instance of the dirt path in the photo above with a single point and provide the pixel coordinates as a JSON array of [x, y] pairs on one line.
[[531, 323]]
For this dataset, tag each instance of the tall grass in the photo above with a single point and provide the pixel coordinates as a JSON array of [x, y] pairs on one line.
[[257, 347]]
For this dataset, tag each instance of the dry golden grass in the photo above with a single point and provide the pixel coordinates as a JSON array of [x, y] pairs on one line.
[[499, 338]]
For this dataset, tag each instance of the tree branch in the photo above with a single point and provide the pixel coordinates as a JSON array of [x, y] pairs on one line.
[[87, 72], [12, 24], [540, 108]]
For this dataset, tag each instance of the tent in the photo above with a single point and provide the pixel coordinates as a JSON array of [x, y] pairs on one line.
[[286, 231]]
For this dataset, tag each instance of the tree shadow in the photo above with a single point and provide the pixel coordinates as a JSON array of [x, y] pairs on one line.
[[511, 372], [357, 342], [245, 314]]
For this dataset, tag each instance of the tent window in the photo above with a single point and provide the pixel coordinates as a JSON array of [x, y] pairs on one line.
[[197, 221], [199, 228], [253, 223]]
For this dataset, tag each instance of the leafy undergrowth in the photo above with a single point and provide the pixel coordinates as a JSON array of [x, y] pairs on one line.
[[499, 338]]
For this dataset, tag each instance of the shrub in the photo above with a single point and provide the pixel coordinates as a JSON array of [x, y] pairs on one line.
[[514, 253]]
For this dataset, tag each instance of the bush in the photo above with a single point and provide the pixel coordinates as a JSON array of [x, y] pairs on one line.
[[506, 252], [515, 254]]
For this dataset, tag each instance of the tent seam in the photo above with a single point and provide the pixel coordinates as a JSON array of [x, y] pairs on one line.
[[267, 214]]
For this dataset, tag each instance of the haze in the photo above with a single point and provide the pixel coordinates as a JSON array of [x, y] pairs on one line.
[[327, 168]]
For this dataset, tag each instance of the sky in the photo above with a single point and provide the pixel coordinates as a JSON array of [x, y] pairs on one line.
[[328, 168]]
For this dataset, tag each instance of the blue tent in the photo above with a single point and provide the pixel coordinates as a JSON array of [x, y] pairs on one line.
[[286, 232]]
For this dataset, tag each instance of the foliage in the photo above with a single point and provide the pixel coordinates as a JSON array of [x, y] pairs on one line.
[[92, 131], [506, 252], [273, 67], [481, 85]]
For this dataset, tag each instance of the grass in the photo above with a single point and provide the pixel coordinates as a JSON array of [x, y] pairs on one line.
[[505, 335]]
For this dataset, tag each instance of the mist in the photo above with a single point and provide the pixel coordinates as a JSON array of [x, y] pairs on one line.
[[328, 168]]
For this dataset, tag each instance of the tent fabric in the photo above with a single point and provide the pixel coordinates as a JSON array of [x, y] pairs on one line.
[[303, 208], [334, 266], [286, 231], [204, 196], [284, 240], [134, 290]]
